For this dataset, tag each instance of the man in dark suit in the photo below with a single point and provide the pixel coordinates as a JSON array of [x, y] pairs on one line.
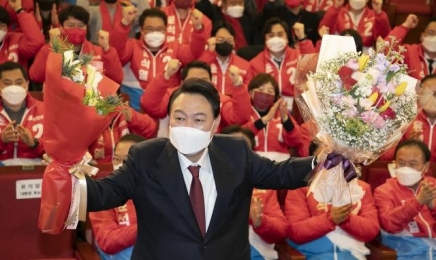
[[189, 214]]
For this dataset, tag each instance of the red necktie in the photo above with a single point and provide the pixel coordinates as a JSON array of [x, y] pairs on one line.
[[197, 199]]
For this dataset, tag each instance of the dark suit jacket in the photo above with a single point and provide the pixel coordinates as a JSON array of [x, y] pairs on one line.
[[167, 228]]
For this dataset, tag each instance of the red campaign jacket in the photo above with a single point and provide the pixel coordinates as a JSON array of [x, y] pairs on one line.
[[274, 138], [306, 138], [309, 220], [221, 79], [147, 66], [285, 75], [273, 226], [397, 207], [13, 16], [115, 229], [111, 64], [316, 5], [103, 148], [33, 120], [20, 47], [181, 32], [370, 26], [234, 110], [428, 134]]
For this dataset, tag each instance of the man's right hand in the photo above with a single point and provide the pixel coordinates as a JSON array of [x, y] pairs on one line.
[[427, 193], [411, 21], [172, 67], [9, 134], [54, 33], [129, 14], [272, 112], [340, 214]]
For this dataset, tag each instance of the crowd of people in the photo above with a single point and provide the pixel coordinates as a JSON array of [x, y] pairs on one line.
[[249, 51]]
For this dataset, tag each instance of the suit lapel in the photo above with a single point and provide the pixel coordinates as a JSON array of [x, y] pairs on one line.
[[170, 176]]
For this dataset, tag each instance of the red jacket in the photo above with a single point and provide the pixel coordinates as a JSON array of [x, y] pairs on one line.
[[370, 26], [274, 138], [33, 120], [111, 64], [147, 66], [285, 75], [398, 207], [273, 226], [115, 229], [182, 31], [309, 220], [20, 47], [27, 6], [221, 79], [234, 110], [317, 5], [103, 148]]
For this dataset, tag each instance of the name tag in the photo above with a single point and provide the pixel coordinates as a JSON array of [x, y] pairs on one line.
[[413, 227]]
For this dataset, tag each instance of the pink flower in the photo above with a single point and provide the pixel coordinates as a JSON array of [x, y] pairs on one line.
[[352, 112], [365, 103], [373, 118], [379, 122], [352, 64], [349, 101]]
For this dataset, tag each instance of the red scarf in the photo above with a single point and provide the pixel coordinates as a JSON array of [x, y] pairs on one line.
[[239, 33], [106, 23]]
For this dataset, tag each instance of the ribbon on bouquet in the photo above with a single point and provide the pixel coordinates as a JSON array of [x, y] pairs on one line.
[[79, 201], [333, 159]]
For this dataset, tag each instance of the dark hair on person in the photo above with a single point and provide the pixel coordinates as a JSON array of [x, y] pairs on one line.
[[271, 22], [415, 143], [4, 16], [152, 12], [196, 64], [232, 129], [262, 79], [357, 38], [10, 65], [199, 87], [74, 11], [222, 25]]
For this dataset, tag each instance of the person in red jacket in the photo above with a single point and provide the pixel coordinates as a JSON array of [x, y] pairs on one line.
[[16, 46], [180, 25], [220, 56], [10, 6], [234, 110], [74, 20], [370, 23], [275, 129], [267, 223], [21, 118], [280, 60], [317, 5], [149, 55], [115, 229], [406, 204]]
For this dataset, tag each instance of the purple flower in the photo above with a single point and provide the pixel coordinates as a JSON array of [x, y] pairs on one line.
[[394, 67], [373, 118]]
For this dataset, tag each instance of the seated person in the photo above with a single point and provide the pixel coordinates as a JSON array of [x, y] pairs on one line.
[[73, 21], [326, 231], [267, 222], [115, 229], [406, 204], [19, 46], [21, 118]]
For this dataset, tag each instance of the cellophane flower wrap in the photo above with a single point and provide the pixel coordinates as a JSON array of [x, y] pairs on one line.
[[80, 103], [356, 107]]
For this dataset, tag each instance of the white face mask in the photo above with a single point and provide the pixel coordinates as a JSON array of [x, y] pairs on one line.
[[2, 35], [276, 44], [154, 39], [357, 4], [14, 95], [117, 166], [407, 176], [235, 11], [189, 140], [429, 43]]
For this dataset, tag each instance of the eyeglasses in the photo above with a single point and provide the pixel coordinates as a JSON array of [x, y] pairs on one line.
[[70, 25], [149, 29]]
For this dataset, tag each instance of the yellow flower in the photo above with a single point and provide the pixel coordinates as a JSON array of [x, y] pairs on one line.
[[89, 92], [373, 97], [384, 107], [399, 90], [363, 61]]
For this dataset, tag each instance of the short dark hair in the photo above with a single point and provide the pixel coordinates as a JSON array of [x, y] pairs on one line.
[[200, 87], [232, 129], [415, 143], [74, 11], [356, 36], [222, 25], [271, 22], [152, 12], [4, 16], [196, 64], [261, 79], [10, 65], [130, 138]]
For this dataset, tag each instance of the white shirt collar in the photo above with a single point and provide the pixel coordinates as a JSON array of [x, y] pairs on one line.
[[203, 161]]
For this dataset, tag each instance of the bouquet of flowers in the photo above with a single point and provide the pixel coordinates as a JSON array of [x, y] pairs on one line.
[[80, 103]]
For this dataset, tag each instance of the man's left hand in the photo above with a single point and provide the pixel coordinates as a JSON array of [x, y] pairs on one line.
[[234, 75], [256, 211], [26, 136], [103, 39], [196, 18]]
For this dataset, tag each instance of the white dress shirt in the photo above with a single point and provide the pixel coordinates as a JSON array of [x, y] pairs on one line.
[[206, 178]]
